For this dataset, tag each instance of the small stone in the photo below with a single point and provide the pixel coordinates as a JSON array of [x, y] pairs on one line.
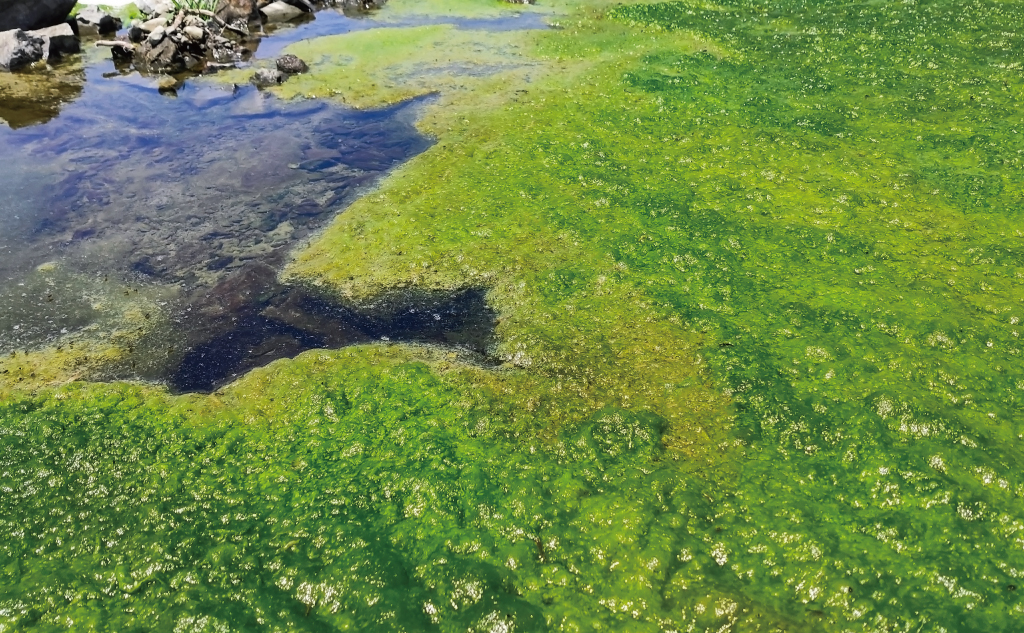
[[291, 64], [266, 77], [156, 36], [151, 25], [194, 33]]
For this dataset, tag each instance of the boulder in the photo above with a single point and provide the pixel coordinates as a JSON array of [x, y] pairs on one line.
[[33, 14], [267, 77], [280, 12], [93, 21], [231, 10], [61, 40], [291, 65], [19, 49]]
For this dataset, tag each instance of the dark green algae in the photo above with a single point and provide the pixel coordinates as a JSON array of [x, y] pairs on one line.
[[833, 205]]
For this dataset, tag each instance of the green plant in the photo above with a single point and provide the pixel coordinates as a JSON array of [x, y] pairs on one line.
[[194, 5]]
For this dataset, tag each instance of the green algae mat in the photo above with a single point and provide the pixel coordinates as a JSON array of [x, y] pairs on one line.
[[759, 270]]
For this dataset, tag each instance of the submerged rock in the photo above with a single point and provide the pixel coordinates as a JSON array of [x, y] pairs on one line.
[[19, 49], [267, 77], [291, 64], [33, 14]]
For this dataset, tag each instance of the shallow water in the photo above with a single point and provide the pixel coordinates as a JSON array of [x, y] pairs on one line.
[[174, 194], [119, 189]]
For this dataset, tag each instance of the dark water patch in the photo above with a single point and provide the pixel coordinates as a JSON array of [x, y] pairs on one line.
[[282, 322], [249, 319]]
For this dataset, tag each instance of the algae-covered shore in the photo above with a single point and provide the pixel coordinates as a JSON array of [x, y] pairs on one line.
[[757, 274]]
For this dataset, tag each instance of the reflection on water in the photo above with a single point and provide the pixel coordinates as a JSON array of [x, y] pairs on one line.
[[30, 98]]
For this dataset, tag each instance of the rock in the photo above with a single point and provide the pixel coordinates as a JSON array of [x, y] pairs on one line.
[[61, 40], [136, 34], [360, 6], [280, 12], [266, 77], [19, 49], [194, 33], [155, 7], [93, 21], [156, 36], [231, 10], [162, 55], [151, 25], [291, 64], [33, 14], [302, 5]]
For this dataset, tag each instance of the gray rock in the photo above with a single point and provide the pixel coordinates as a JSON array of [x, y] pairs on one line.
[[19, 49], [93, 21], [151, 25], [61, 40], [302, 5], [156, 35], [360, 6], [280, 12], [194, 33], [231, 10], [267, 77], [155, 7], [33, 14], [291, 64], [162, 55]]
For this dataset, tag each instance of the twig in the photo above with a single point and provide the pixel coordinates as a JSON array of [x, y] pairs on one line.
[[174, 25], [128, 46], [213, 16]]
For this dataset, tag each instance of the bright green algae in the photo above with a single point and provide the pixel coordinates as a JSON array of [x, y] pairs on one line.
[[828, 205]]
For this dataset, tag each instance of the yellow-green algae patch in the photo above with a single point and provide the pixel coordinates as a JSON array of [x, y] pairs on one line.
[[817, 219], [111, 317], [386, 65]]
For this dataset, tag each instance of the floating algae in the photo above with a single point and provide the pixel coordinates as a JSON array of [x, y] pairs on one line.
[[757, 274]]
